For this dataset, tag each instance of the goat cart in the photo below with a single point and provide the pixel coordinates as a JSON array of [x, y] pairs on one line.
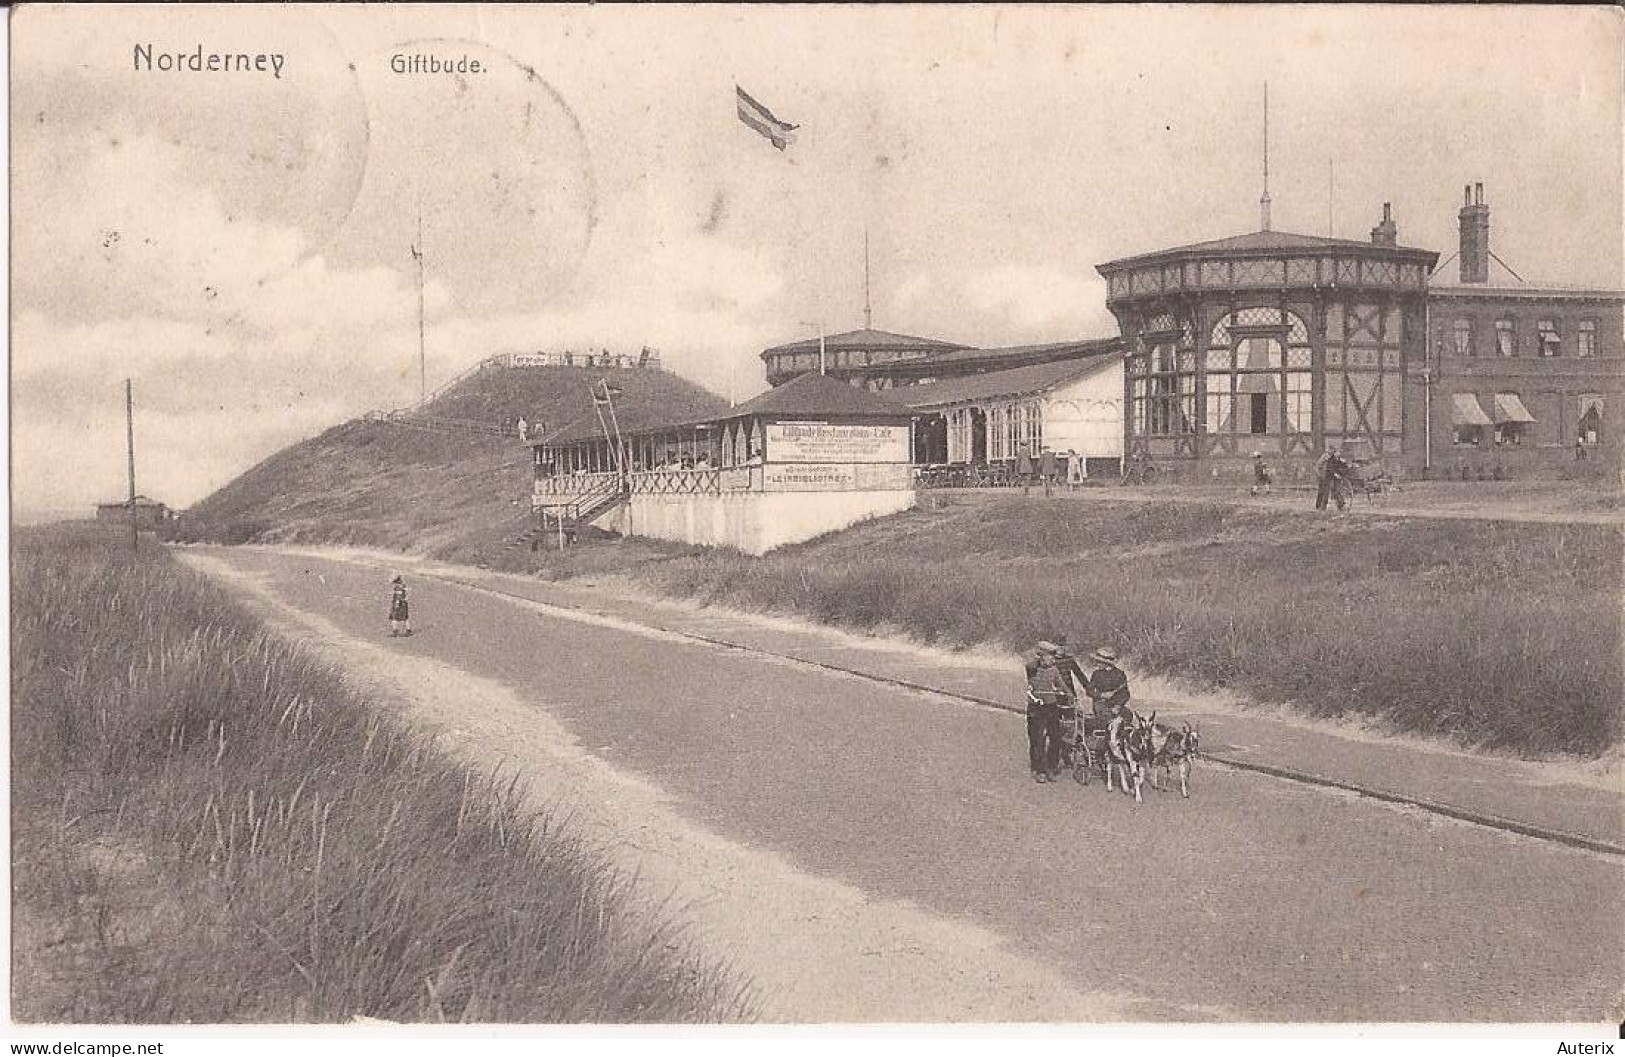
[[1146, 750], [1366, 478], [1083, 745]]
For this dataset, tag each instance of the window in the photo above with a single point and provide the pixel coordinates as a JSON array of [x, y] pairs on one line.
[[1032, 427], [1506, 338], [1221, 406], [1590, 421], [1300, 402], [1162, 406], [1256, 381], [1550, 343], [1512, 419], [1461, 337], [1585, 338]]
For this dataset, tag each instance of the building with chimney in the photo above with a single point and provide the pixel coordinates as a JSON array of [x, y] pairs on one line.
[[1526, 379], [1286, 345], [1283, 345]]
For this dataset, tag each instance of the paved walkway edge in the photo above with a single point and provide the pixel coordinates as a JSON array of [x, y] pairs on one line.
[[1462, 814]]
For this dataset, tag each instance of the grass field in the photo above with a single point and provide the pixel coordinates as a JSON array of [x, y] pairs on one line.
[[209, 826], [1490, 634]]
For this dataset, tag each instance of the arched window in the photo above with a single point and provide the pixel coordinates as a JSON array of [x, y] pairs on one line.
[[1259, 380]]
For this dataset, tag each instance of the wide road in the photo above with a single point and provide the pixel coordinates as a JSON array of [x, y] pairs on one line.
[[1256, 899]]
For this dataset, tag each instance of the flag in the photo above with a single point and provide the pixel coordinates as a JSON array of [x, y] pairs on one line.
[[780, 133]]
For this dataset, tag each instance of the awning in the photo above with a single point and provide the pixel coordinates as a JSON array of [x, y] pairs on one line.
[[1508, 408], [1465, 411], [1257, 383]]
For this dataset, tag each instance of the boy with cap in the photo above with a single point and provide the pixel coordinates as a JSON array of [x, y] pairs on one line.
[[1107, 686]]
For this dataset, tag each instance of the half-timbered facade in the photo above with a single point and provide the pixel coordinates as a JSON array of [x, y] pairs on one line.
[[1274, 343]]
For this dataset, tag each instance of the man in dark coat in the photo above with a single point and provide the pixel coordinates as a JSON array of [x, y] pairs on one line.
[[1024, 468], [1046, 694], [1047, 469], [1330, 469]]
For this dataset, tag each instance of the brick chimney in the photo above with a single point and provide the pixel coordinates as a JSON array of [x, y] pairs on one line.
[[1475, 236], [1386, 233]]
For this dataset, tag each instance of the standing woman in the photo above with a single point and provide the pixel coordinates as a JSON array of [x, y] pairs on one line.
[[400, 621]]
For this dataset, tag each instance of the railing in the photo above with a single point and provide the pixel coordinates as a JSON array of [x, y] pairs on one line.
[[676, 482], [595, 494], [643, 482], [728, 480], [648, 360], [400, 413], [574, 485]]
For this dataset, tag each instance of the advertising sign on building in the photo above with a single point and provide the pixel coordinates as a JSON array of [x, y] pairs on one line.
[[825, 442], [809, 477], [831, 477]]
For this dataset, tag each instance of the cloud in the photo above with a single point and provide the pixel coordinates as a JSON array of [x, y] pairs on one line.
[[1037, 299], [241, 339]]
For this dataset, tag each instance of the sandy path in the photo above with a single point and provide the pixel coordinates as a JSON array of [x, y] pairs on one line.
[[818, 950]]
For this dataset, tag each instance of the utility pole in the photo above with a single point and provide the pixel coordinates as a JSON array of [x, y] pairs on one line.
[[129, 438], [417, 255]]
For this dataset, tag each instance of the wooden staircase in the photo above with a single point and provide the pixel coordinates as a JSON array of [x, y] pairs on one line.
[[568, 521]]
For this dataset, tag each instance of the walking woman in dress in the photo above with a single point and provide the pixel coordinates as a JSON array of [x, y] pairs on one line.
[[400, 621]]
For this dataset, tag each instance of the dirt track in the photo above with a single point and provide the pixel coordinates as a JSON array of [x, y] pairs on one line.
[[867, 854]]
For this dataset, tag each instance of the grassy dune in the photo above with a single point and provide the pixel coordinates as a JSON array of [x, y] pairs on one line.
[[1491, 634], [209, 826], [453, 495]]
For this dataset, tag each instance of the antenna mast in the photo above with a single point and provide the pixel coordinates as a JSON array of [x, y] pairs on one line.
[[868, 313], [1264, 202]]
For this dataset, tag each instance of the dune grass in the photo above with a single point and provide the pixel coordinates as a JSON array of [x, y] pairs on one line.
[[1491, 634], [210, 826]]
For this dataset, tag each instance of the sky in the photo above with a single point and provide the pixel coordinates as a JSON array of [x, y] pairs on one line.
[[240, 244]]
